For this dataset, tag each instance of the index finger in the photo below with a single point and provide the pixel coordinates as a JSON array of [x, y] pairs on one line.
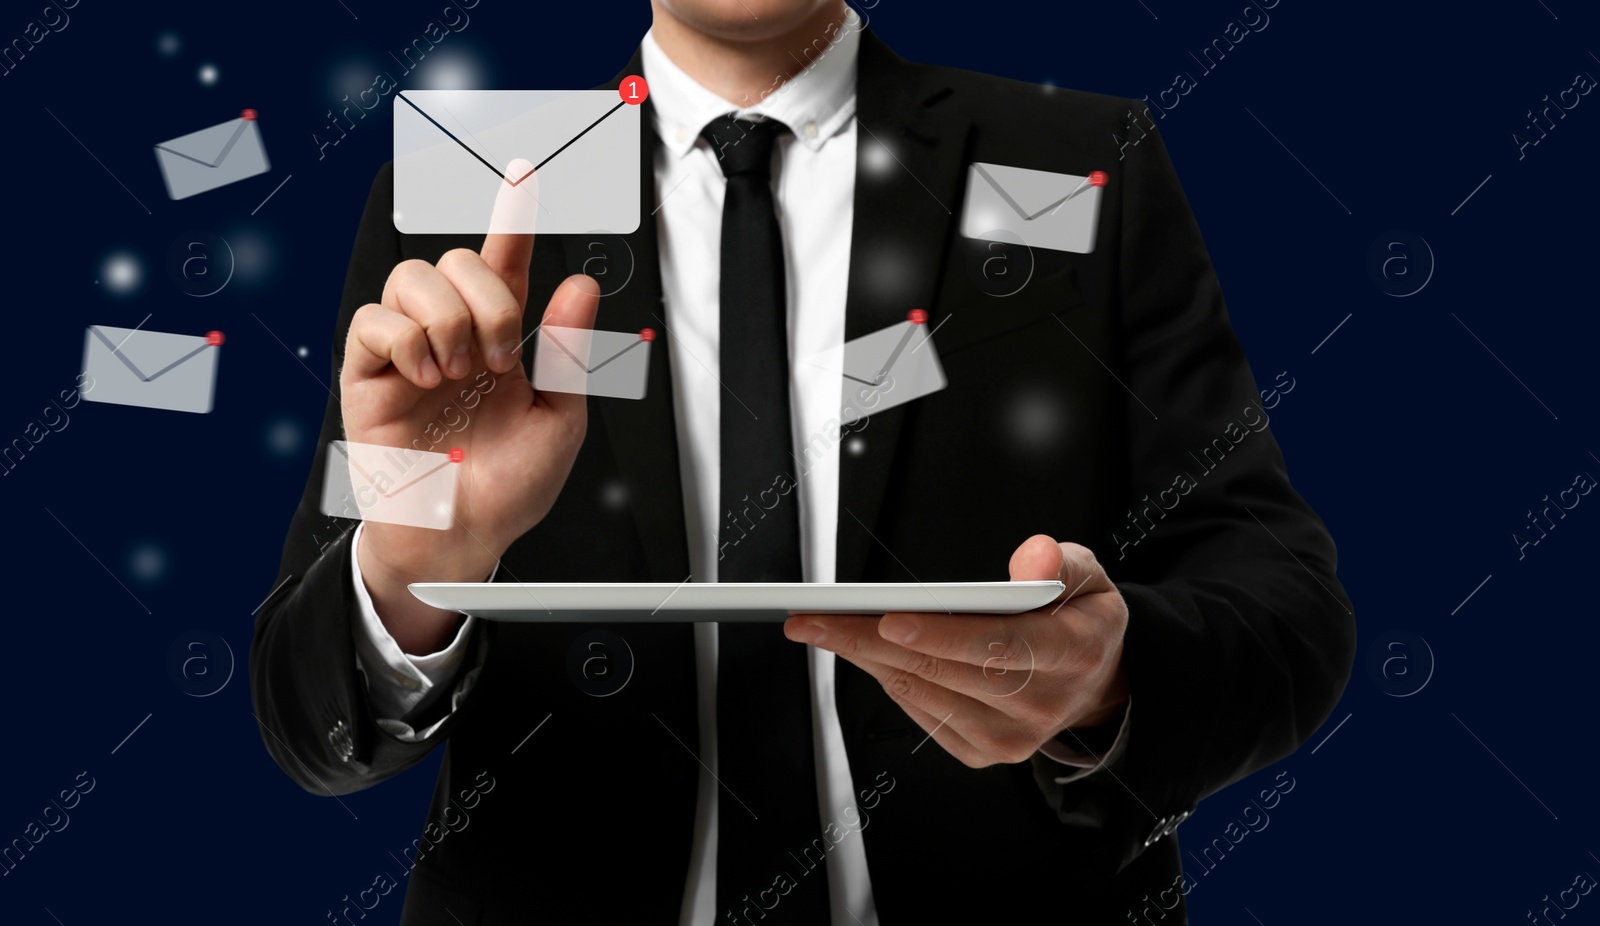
[[975, 639], [508, 246], [963, 653]]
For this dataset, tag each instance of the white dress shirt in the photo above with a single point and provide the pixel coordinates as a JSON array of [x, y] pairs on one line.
[[814, 186]]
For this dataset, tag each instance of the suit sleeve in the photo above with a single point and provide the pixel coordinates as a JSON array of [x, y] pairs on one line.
[[403, 688], [1240, 638], [311, 699]]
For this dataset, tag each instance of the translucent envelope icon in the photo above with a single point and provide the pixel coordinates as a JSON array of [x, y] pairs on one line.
[[585, 362], [394, 485], [889, 367], [453, 151], [212, 157], [151, 368], [1057, 212]]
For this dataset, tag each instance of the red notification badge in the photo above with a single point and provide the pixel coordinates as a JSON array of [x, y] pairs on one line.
[[633, 90]]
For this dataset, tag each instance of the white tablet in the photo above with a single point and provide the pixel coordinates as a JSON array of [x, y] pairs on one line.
[[641, 602]]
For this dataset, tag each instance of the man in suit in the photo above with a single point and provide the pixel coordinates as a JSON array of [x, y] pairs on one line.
[[802, 187]]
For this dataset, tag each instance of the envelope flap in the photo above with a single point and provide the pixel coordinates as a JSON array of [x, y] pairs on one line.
[[393, 470], [149, 351], [866, 357], [1028, 191], [534, 122], [208, 144]]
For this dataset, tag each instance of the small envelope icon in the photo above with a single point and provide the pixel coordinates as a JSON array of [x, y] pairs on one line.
[[1057, 212], [586, 362], [393, 485], [212, 157], [151, 368], [892, 366], [889, 367]]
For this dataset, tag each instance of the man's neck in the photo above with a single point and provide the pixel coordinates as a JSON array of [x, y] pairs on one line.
[[741, 71]]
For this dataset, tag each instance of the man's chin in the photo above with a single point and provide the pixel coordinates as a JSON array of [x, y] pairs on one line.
[[746, 20]]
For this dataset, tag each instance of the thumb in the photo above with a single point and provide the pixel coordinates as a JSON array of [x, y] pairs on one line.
[[508, 247], [1041, 558]]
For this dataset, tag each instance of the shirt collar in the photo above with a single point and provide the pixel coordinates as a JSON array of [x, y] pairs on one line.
[[815, 104]]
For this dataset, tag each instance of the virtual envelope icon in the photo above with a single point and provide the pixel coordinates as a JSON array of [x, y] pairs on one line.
[[393, 485], [603, 363], [212, 157], [891, 366], [1057, 212], [453, 152], [151, 368]]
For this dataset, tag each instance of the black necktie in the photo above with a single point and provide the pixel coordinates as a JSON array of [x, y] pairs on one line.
[[771, 849]]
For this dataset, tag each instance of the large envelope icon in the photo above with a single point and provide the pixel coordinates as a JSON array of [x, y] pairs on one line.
[[212, 157], [393, 485], [585, 362], [453, 152], [151, 368], [1057, 212]]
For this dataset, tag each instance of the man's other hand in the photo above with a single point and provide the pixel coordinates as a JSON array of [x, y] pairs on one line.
[[994, 688]]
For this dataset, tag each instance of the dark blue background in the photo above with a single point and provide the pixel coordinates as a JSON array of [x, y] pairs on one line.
[[1420, 450]]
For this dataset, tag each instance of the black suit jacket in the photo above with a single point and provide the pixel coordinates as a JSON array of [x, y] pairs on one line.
[[1068, 403]]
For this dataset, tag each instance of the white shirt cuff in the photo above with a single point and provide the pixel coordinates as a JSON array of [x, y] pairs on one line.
[[1084, 761], [400, 685]]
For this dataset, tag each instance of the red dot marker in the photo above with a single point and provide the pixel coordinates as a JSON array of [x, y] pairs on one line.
[[456, 454], [214, 338], [917, 317], [647, 334], [248, 115], [1097, 178], [633, 90]]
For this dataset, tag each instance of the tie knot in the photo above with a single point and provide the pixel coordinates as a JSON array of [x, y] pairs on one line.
[[743, 146]]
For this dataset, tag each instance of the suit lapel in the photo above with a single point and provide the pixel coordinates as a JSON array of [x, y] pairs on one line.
[[643, 433], [911, 148]]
